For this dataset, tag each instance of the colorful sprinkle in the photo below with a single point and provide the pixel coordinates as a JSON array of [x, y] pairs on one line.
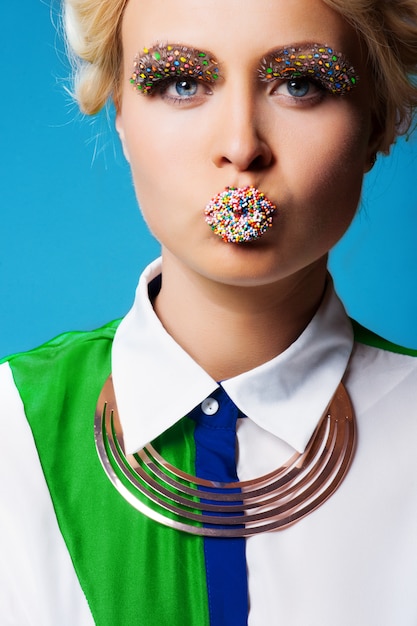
[[240, 215], [320, 63], [170, 61]]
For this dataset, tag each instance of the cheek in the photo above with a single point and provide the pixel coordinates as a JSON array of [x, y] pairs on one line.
[[331, 154], [168, 159], [160, 161], [144, 137], [161, 148], [324, 188]]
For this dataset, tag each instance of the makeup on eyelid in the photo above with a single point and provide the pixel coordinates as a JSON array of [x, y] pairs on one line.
[[171, 61], [318, 62]]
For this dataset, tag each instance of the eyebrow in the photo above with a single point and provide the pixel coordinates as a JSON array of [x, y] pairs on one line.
[[317, 61], [162, 61]]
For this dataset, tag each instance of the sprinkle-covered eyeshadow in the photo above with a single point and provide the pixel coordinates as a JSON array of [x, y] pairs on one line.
[[171, 61], [240, 215], [320, 63]]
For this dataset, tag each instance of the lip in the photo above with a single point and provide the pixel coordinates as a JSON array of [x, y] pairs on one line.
[[241, 183], [240, 214]]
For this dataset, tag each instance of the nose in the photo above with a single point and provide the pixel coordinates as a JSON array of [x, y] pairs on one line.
[[240, 137]]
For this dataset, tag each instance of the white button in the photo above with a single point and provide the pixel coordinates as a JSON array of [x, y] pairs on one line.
[[210, 406]]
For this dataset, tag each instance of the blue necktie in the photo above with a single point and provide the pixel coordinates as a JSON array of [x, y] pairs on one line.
[[215, 439]]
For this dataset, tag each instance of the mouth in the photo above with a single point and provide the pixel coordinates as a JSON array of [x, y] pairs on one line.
[[240, 214]]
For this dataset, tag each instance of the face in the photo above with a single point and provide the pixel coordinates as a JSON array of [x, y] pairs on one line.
[[303, 143]]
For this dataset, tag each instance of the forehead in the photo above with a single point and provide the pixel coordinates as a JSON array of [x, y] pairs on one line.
[[247, 28]]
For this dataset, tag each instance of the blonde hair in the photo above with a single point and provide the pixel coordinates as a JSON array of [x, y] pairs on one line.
[[389, 30], [94, 46], [387, 27]]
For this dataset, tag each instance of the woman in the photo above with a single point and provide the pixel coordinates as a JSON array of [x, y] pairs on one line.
[[248, 128]]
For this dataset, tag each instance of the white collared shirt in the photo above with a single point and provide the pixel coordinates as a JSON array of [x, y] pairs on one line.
[[151, 371], [351, 562]]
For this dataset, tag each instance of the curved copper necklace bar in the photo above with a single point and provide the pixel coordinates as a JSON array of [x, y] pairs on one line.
[[174, 498]]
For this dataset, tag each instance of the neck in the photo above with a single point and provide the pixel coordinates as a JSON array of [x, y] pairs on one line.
[[229, 330]]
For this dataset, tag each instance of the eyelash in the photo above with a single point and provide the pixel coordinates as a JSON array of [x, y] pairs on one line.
[[319, 93], [161, 87], [321, 89]]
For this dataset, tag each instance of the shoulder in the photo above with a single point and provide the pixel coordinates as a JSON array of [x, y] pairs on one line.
[[55, 373], [382, 380], [67, 348], [382, 362], [366, 337]]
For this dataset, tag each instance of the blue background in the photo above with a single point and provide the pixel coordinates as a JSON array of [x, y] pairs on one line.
[[73, 241]]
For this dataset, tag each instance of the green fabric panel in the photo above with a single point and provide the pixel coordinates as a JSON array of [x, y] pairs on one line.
[[177, 446], [367, 337], [132, 570]]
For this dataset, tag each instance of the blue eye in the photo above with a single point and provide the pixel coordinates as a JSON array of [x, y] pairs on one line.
[[298, 90], [298, 87], [185, 88], [182, 91]]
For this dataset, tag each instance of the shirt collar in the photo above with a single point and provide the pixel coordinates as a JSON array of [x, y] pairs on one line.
[[157, 383]]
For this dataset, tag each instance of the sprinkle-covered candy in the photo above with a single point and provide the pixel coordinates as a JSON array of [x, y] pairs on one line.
[[240, 214], [319, 63], [162, 62]]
